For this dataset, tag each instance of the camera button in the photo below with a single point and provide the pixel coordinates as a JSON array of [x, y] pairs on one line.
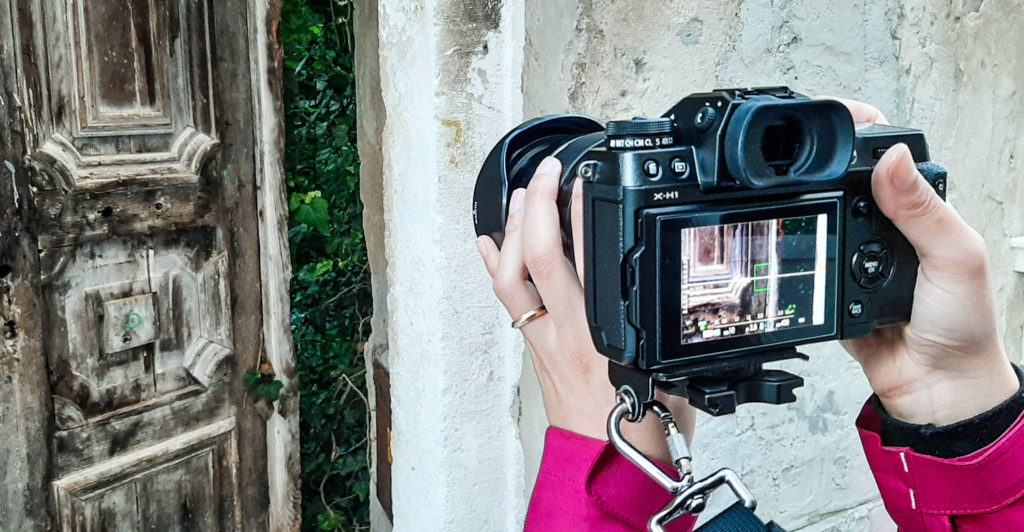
[[652, 168], [856, 309], [705, 118], [862, 208], [872, 247], [871, 265], [679, 167]]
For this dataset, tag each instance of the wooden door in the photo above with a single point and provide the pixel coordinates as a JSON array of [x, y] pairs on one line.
[[138, 182]]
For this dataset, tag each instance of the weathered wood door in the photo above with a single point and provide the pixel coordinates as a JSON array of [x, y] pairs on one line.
[[143, 268]]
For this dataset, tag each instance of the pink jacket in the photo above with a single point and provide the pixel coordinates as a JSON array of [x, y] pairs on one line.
[[584, 484]]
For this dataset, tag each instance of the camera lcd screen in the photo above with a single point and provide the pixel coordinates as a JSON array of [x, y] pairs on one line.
[[752, 277], [734, 278]]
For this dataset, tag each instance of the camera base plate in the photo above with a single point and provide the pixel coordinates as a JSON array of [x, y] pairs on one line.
[[716, 388], [721, 396]]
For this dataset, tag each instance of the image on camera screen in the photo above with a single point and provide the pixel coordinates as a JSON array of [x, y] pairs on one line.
[[754, 277]]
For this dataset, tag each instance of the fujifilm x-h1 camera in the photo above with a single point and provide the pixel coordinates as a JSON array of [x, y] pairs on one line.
[[721, 236]]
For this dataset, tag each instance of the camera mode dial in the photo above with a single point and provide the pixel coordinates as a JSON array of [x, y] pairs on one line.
[[640, 134]]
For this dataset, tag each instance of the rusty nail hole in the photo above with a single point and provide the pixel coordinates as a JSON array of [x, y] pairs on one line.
[[5, 270], [107, 212], [159, 206]]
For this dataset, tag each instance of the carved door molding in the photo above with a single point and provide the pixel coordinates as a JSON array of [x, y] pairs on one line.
[[143, 267]]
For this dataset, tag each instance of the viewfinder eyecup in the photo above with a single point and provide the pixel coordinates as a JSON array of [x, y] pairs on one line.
[[773, 142]]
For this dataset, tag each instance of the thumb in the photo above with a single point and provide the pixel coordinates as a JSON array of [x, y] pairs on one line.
[[939, 235]]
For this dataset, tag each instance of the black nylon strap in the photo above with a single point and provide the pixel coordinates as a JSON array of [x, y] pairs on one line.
[[738, 518]]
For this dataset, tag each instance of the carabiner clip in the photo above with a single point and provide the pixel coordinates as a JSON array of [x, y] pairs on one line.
[[690, 496]]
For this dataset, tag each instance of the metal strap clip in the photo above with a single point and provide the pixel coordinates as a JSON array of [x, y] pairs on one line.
[[690, 496]]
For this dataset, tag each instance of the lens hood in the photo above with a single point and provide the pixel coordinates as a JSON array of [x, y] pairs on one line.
[[512, 162]]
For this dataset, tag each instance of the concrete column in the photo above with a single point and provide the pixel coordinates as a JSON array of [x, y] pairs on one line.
[[449, 74]]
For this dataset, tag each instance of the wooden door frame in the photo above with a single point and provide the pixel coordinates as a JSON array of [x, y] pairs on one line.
[[25, 413], [266, 55]]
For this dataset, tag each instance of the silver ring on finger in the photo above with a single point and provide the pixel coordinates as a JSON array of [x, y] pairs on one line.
[[529, 316]]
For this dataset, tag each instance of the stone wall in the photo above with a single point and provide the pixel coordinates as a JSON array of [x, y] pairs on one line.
[[455, 75]]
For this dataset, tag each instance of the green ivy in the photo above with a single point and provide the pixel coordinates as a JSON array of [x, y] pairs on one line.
[[264, 387], [331, 301]]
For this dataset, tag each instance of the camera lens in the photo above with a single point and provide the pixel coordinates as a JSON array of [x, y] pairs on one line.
[[775, 142]]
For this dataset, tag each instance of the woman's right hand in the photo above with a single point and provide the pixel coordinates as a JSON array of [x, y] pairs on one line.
[[947, 364], [531, 270]]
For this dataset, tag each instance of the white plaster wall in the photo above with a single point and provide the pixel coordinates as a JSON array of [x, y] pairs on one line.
[[948, 68], [449, 76], [454, 75]]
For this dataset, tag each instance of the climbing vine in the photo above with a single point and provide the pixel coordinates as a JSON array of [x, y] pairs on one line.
[[331, 302]]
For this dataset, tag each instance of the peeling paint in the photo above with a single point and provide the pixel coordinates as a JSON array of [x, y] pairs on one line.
[[691, 32], [14, 183]]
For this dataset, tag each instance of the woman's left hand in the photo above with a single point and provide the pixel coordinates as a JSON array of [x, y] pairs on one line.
[[531, 270]]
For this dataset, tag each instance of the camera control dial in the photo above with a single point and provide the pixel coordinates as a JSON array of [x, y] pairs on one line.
[[640, 134], [872, 265]]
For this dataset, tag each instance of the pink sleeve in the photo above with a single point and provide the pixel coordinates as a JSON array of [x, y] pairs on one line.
[[585, 484], [981, 491]]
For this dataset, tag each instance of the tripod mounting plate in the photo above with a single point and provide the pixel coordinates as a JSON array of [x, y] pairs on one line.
[[716, 389]]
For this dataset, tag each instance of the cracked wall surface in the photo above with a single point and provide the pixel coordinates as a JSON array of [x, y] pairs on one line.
[[443, 80]]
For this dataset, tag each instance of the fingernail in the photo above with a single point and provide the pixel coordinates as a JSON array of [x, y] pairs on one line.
[[516, 203], [549, 165], [480, 246], [905, 173]]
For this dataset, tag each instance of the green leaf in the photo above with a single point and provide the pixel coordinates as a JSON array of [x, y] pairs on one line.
[[324, 267], [271, 391], [362, 489], [252, 379], [314, 214]]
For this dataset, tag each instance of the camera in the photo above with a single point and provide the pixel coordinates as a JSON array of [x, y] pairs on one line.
[[722, 235]]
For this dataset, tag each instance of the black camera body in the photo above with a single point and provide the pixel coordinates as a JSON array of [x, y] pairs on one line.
[[723, 235]]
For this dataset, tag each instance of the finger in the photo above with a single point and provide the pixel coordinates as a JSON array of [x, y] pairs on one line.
[[489, 253], [542, 242], [942, 239], [576, 215], [511, 281], [862, 112]]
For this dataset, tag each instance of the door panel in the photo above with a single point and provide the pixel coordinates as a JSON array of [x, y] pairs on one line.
[[132, 148], [185, 483], [136, 319], [129, 91]]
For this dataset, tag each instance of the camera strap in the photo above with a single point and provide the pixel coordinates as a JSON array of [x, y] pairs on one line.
[[738, 518], [690, 495]]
